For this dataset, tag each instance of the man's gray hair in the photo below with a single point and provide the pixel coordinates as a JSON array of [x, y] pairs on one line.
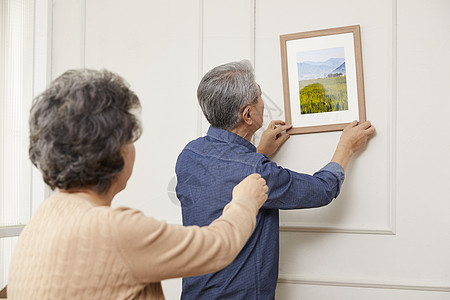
[[225, 91]]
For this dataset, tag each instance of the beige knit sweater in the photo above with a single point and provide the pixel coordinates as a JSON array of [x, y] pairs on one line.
[[74, 249]]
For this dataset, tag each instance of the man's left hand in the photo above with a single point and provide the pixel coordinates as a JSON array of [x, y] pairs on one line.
[[273, 137]]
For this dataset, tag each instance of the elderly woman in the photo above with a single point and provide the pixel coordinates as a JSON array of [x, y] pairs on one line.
[[76, 246]]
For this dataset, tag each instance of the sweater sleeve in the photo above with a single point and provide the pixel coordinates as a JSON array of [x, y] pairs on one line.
[[155, 250]]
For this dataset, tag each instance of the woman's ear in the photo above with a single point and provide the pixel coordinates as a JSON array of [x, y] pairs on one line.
[[246, 115]]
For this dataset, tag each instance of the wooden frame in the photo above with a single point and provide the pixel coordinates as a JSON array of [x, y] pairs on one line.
[[323, 81]]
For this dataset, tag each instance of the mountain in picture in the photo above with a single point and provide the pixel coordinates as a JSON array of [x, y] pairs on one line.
[[315, 69], [340, 69]]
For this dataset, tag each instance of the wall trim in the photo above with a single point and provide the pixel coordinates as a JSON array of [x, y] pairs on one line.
[[83, 34], [42, 76], [336, 229], [393, 118], [293, 279], [200, 63], [253, 32], [11, 231]]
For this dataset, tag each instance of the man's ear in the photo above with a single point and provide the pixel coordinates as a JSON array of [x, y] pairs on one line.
[[246, 115]]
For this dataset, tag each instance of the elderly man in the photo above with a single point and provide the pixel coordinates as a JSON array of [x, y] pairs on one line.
[[209, 167]]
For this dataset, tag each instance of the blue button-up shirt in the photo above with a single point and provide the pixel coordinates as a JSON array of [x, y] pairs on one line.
[[207, 170]]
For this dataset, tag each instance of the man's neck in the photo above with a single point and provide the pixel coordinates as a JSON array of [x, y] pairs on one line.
[[244, 132]]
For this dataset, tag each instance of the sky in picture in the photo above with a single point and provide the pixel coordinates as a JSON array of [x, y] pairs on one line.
[[320, 55]]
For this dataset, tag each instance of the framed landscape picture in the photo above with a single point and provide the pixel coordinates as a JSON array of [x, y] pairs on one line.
[[323, 82]]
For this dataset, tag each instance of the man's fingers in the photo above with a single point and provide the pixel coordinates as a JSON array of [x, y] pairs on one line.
[[282, 138], [276, 122], [281, 128], [365, 124], [353, 124], [371, 130]]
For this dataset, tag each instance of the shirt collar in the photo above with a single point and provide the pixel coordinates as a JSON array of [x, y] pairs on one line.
[[229, 137]]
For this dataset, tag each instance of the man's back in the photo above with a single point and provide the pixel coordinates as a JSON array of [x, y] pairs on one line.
[[207, 170]]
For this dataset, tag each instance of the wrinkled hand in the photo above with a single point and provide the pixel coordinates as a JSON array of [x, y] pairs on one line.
[[253, 188], [353, 138], [272, 138]]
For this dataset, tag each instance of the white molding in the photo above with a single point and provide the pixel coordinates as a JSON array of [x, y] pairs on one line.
[[200, 118], [83, 34], [392, 163], [294, 279], [253, 33], [11, 231], [336, 229], [393, 117], [202, 122], [42, 76]]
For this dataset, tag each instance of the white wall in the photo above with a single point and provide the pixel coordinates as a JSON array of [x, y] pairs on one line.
[[386, 236]]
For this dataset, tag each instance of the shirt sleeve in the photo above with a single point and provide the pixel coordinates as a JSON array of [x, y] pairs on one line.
[[292, 190], [155, 250]]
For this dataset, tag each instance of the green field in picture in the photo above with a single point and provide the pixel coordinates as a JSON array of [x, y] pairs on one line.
[[323, 95]]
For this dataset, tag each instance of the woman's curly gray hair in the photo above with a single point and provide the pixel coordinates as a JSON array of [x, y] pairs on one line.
[[78, 126]]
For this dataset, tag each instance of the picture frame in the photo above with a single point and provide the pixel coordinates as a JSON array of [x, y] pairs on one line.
[[323, 82]]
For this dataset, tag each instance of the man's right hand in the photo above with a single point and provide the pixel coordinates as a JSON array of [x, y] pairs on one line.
[[252, 187], [272, 138]]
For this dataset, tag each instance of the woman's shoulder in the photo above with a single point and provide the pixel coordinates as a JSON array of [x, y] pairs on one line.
[[123, 216]]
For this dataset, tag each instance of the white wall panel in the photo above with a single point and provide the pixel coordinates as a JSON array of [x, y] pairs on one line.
[[396, 256], [227, 32], [366, 202], [68, 30], [227, 35], [154, 45]]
